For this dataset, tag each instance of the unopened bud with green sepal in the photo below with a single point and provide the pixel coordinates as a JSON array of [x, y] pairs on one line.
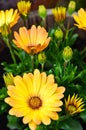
[[67, 53], [42, 11], [41, 57], [58, 34], [71, 7]]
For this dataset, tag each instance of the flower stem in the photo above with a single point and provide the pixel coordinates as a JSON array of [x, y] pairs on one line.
[[64, 117], [32, 61], [10, 48], [42, 66], [43, 23], [25, 22], [65, 64]]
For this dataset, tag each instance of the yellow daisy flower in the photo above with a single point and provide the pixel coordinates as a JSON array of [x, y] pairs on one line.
[[8, 19], [24, 7], [74, 104], [33, 40], [35, 97], [80, 19], [59, 13]]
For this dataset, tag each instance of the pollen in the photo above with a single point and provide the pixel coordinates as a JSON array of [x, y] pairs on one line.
[[35, 102]]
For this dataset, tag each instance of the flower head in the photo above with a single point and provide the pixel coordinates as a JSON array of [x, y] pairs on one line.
[[80, 19], [67, 53], [71, 7], [8, 19], [24, 7], [42, 11], [33, 40], [58, 34], [35, 97], [8, 79], [59, 14], [74, 104], [41, 57]]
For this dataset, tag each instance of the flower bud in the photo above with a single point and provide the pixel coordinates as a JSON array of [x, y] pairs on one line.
[[59, 14], [41, 57], [24, 8], [8, 79], [5, 30], [71, 7], [58, 34], [67, 54], [42, 11]]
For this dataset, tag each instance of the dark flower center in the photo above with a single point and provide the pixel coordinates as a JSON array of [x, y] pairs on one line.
[[35, 102]]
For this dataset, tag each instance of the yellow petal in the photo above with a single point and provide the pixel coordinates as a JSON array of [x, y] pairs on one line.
[[33, 34], [32, 125], [36, 117], [45, 120], [24, 36], [36, 81], [27, 119], [28, 80]]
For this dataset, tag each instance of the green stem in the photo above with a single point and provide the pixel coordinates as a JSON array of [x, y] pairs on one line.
[[32, 61], [65, 64], [43, 23], [42, 66], [66, 36], [64, 117], [10, 48], [68, 27], [25, 22]]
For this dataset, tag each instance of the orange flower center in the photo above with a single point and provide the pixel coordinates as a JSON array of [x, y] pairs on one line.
[[35, 102]]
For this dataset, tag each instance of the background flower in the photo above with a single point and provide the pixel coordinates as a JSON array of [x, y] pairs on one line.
[[8, 19], [33, 40], [80, 19], [42, 11], [24, 7], [74, 104], [59, 13]]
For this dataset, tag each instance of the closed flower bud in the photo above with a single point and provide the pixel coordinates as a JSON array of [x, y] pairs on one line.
[[8, 79], [5, 30], [59, 14], [41, 57], [67, 54], [42, 11], [58, 34], [24, 7], [71, 7]]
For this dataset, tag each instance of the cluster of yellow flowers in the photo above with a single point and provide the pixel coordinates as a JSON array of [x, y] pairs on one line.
[[35, 96]]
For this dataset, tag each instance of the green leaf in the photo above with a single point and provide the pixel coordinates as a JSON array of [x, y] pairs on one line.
[[82, 76], [3, 107], [14, 123], [27, 128], [3, 93], [71, 124], [83, 116]]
